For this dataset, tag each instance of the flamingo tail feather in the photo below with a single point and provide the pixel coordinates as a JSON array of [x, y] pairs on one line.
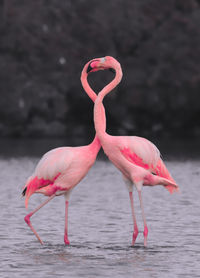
[[31, 186], [165, 178]]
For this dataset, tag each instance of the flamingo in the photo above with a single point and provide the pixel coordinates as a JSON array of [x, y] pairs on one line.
[[61, 169], [137, 158]]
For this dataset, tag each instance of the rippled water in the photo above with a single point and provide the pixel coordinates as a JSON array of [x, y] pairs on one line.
[[100, 226]]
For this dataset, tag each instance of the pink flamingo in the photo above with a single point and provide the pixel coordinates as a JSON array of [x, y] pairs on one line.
[[137, 158], [61, 169]]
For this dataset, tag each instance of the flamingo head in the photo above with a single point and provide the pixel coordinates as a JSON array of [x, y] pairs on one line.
[[104, 63]]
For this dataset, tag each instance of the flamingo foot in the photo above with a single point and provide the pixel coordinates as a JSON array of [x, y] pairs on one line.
[[145, 235], [135, 234], [27, 220], [66, 240]]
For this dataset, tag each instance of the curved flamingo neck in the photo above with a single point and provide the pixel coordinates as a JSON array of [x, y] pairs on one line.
[[95, 145], [92, 95], [85, 84], [99, 111]]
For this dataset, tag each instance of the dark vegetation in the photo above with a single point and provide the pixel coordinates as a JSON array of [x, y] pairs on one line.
[[44, 45]]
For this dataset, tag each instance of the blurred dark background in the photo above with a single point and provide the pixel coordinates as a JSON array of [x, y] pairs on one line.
[[44, 45]]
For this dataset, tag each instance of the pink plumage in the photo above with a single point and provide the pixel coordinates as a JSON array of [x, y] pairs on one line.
[[137, 158], [61, 169], [145, 154], [161, 170]]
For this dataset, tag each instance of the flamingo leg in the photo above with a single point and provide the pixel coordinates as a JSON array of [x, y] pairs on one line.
[[28, 216], [66, 240], [135, 228], [145, 233]]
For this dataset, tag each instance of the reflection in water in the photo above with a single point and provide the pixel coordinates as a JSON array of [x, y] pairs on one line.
[[101, 226]]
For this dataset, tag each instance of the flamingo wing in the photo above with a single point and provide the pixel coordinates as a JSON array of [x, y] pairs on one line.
[[49, 168], [145, 154], [141, 152], [54, 163]]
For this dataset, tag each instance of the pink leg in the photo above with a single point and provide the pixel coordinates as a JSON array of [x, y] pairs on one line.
[[66, 224], [135, 233], [28, 216], [144, 219]]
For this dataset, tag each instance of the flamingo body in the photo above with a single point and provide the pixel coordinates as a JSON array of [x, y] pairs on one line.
[[61, 169], [137, 158]]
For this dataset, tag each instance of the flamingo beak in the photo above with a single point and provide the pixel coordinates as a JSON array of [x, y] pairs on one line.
[[95, 66], [92, 66], [112, 70], [89, 69]]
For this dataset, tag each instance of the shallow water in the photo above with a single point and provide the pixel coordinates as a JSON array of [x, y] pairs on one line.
[[100, 226]]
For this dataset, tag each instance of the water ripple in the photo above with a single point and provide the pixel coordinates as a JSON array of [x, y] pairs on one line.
[[100, 227]]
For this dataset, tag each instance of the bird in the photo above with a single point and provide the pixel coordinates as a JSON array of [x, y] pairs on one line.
[[61, 169], [137, 158]]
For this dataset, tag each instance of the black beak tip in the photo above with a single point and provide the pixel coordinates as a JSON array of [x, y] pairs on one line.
[[112, 70], [89, 69]]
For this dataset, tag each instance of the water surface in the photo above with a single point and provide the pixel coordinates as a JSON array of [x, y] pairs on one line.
[[100, 226]]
